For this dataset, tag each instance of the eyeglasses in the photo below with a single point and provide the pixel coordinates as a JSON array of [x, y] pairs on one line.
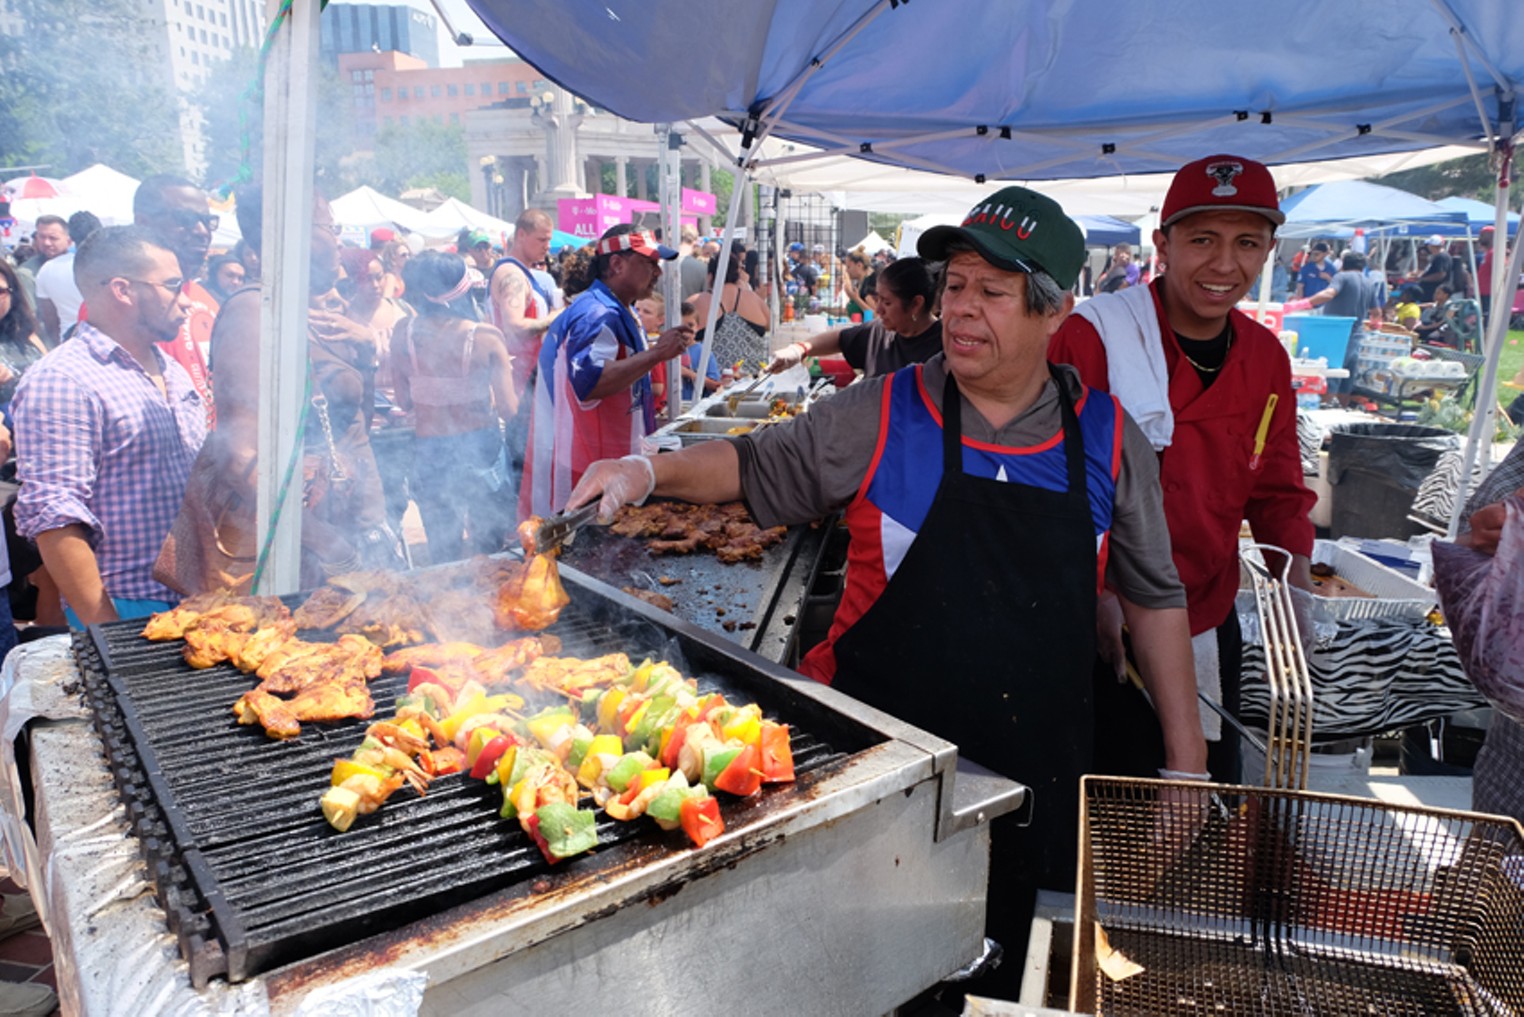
[[186, 219], [331, 227], [170, 286], [5, 291]]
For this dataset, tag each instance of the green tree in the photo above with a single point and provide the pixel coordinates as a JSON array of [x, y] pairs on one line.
[[421, 153], [1468, 177], [231, 101], [84, 84]]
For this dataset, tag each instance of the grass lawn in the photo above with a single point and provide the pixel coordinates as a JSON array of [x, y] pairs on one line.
[[1508, 363]]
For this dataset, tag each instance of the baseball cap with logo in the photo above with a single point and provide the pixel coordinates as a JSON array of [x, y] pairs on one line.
[[1435, 241], [1018, 230], [638, 241], [1221, 183], [478, 238]]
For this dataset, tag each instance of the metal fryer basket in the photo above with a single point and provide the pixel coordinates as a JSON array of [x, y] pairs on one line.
[[1238, 900]]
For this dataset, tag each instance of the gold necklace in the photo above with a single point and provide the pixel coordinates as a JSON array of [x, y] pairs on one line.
[[1201, 367]]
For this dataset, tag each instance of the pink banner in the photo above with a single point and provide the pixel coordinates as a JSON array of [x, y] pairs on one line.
[[589, 217], [699, 202]]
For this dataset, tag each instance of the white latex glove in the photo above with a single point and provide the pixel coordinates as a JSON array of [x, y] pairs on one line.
[[614, 482], [789, 356], [1108, 633]]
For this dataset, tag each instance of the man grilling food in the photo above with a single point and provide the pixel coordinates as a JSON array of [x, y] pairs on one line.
[[988, 494]]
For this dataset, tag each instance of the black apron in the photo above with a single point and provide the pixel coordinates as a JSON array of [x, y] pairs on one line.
[[985, 636]]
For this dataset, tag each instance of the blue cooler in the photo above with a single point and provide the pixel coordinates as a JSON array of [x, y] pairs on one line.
[[1319, 336]]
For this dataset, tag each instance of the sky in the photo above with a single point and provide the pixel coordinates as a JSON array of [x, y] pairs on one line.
[[486, 44]]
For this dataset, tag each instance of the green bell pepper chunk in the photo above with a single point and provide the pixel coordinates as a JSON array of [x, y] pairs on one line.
[[715, 763], [567, 830], [627, 769]]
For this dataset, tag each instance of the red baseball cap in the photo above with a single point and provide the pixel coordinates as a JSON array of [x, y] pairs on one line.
[[638, 241], [1221, 183], [382, 235]]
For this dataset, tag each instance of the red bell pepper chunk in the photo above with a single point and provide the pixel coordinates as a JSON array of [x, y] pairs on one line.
[[448, 760], [675, 743], [486, 760], [741, 777], [701, 821], [531, 824], [419, 675], [777, 755]]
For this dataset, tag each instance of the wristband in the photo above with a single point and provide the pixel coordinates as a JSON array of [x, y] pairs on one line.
[[804, 348], [650, 476], [1168, 774]]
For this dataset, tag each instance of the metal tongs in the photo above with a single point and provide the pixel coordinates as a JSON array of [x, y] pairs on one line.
[[558, 530], [734, 399]]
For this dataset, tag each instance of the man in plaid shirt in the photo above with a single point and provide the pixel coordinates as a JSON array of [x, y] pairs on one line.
[[106, 430]]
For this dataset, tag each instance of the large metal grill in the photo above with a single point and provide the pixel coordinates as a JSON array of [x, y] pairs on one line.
[[245, 866], [1242, 900], [754, 604]]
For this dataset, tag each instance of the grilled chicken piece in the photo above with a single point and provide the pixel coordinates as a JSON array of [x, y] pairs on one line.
[[208, 645], [220, 608], [262, 643], [495, 666], [274, 714], [533, 599], [333, 700], [429, 655], [686, 545], [573, 675], [387, 620], [171, 624]]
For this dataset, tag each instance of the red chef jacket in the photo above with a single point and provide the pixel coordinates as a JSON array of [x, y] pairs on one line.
[[1210, 475]]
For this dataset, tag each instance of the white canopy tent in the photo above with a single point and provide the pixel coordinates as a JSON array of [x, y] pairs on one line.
[[366, 208], [454, 215]]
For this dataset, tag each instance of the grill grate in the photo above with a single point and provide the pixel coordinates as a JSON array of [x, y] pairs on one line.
[[251, 875], [1240, 900]]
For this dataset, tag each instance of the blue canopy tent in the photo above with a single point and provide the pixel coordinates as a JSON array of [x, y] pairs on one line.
[[1107, 231], [1338, 208], [1006, 90], [560, 239], [1479, 213]]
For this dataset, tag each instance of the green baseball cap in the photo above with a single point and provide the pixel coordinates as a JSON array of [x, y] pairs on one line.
[[1018, 230]]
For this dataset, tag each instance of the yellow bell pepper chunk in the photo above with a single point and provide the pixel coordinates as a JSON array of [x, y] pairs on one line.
[[464, 711], [656, 775], [592, 763], [608, 708], [505, 765], [744, 727], [642, 675], [412, 727], [479, 738], [343, 769]]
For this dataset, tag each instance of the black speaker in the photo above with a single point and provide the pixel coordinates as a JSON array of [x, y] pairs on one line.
[[851, 226]]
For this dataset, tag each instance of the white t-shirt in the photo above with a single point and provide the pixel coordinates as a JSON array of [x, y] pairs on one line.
[[55, 282]]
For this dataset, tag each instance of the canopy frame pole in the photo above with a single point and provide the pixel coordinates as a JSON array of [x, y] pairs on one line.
[[754, 131], [1386, 129], [670, 185], [1476, 95], [1505, 282], [290, 129], [1458, 30]]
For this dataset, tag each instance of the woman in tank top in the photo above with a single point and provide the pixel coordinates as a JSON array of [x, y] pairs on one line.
[[452, 373]]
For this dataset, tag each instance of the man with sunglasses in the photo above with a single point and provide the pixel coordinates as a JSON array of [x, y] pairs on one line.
[[107, 427], [177, 210]]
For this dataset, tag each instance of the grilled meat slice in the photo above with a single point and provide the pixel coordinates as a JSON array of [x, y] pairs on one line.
[[252, 654], [429, 655], [273, 714], [333, 700], [327, 606], [495, 666], [573, 675], [656, 600]]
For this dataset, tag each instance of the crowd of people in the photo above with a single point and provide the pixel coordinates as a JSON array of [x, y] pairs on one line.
[[1092, 464]]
